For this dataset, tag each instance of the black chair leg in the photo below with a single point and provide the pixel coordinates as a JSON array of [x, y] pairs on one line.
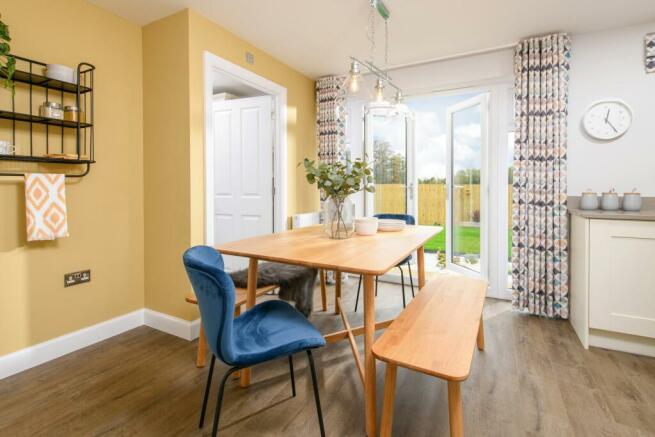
[[402, 283], [359, 287], [376, 286], [293, 378], [316, 396], [411, 280], [219, 400], [207, 387]]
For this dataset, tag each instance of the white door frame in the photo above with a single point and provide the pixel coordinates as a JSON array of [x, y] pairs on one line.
[[499, 98], [411, 183], [483, 101], [214, 64]]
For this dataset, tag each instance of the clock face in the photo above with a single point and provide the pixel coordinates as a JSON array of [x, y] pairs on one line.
[[607, 120]]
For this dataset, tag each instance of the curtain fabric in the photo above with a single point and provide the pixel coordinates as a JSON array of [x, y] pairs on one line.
[[331, 118], [539, 212]]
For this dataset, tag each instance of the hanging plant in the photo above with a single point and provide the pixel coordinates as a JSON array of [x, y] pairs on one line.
[[7, 62]]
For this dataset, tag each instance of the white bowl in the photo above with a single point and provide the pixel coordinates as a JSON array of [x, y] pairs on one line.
[[60, 72], [366, 225]]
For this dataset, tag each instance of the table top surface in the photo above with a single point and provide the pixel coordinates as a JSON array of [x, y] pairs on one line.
[[311, 247]]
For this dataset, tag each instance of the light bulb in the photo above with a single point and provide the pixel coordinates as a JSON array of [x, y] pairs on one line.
[[355, 73], [354, 83], [379, 91]]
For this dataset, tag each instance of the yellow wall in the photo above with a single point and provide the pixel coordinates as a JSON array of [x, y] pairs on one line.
[[105, 208], [166, 157], [174, 132]]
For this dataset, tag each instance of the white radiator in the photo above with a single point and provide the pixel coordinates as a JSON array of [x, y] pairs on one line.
[[306, 219]]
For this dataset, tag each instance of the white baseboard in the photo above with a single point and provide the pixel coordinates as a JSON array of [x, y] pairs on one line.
[[171, 325], [622, 342], [32, 356], [49, 350]]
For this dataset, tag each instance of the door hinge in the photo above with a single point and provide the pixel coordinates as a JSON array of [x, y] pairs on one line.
[[273, 186]]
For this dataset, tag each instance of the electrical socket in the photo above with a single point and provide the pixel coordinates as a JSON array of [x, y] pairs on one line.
[[250, 58], [77, 278]]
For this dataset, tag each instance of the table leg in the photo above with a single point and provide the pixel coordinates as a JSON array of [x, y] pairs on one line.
[[420, 260], [321, 272], [251, 298], [337, 290], [387, 404], [201, 357], [481, 335], [455, 409], [369, 359]]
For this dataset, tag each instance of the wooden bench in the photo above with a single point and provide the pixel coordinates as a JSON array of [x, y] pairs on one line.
[[435, 335]]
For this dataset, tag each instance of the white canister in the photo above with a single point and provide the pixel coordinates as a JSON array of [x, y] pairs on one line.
[[589, 200], [632, 201], [610, 201]]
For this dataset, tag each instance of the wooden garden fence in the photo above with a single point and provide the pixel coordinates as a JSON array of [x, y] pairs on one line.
[[390, 198]]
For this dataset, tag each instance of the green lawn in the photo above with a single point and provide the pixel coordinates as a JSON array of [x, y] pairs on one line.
[[467, 241]]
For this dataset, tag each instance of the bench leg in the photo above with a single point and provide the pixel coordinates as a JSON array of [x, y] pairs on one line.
[[455, 409], [321, 273], [201, 356], [481, 335], [387, 404]]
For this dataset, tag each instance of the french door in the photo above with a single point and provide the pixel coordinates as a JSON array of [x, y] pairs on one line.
[[388, 144], [467, 212]]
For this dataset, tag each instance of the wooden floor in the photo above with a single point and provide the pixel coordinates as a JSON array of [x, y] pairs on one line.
[[533, 378]]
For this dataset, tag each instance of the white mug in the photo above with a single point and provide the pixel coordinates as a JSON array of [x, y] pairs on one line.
[[6, 148]]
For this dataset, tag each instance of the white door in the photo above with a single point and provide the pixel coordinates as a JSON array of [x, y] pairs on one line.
[[467, 181], [389, 145], [243, 171]]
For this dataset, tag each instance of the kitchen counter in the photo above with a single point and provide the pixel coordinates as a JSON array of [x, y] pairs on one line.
[[647, 212]]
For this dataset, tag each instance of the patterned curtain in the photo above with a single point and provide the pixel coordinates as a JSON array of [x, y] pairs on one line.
[[331, 118], [539, 220]]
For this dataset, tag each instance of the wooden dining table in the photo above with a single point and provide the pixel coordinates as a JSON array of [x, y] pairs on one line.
[[369, 256]]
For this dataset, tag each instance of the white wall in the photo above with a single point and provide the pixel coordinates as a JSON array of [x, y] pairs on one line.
[[610, 64]]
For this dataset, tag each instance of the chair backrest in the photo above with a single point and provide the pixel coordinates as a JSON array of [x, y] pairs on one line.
[[215, 293], [407, 218]]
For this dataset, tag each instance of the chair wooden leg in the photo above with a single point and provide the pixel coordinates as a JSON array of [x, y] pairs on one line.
[[387, 404], [481, 335], [201, 356], [323, 289], [455, 409], [251, 300]]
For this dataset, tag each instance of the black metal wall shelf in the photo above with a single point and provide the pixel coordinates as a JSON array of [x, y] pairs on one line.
[[7, 115], [51, 152]]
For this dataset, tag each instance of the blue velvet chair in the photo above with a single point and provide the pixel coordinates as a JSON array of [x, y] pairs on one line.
[[270, 330], [409, 219]]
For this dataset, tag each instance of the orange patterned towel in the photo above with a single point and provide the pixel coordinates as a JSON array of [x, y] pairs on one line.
[[45, 201]]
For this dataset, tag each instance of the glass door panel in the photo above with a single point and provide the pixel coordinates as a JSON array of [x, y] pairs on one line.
[[465, 227], [387, 143]]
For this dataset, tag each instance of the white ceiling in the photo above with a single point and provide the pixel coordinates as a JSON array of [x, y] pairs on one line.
[[316, 37]]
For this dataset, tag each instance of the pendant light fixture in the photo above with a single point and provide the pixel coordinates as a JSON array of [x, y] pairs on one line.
[[383, 80]]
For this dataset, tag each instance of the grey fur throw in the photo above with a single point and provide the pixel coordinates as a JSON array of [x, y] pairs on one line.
[[296, 282]]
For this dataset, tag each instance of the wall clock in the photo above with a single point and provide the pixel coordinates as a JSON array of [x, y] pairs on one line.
[[607, 120]]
